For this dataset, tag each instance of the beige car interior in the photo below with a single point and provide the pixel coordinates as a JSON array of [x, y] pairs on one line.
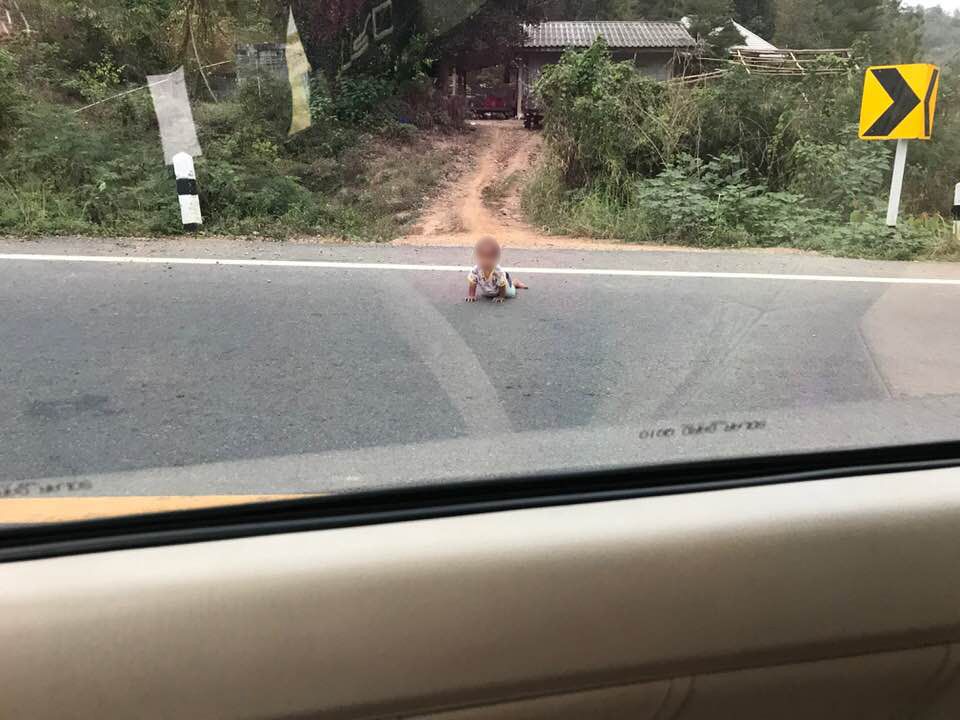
[[825, 599]]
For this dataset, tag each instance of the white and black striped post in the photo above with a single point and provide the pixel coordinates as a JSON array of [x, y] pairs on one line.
[[956, 212], [187, 191]]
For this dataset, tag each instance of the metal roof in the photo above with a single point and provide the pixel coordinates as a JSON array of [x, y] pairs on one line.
[[631, 34], [752, 41]]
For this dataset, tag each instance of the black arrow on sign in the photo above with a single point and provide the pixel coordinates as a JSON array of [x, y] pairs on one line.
[[904, 102], [927, 117]]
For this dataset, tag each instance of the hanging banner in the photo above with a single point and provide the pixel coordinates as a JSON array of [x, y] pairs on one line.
[[298, 72], [171, 104]]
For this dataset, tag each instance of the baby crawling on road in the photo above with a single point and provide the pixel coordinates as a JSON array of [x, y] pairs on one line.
[[487, 278]]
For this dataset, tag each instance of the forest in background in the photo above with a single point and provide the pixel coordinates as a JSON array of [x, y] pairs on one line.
[[748, 148]]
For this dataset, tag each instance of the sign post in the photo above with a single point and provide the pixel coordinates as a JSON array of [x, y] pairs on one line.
[[896, 183], [956, 212], [898, 103]]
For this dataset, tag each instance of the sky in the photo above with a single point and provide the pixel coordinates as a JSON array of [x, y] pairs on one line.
[[945, 4]]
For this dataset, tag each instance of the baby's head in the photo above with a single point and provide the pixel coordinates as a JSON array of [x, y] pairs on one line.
[[487, 252]]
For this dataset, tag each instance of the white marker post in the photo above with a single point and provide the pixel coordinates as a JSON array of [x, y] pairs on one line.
[[187, 191], [521, 66], [956, 212], [896, 183]]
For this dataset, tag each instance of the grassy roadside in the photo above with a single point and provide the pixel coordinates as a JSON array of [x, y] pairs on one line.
[[358, 173], [671, 211], [372, 191], [746, 160]]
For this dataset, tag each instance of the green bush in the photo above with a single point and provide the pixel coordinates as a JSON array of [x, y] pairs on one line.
[[361, 100], [12, 99], [934, 166], [100, 170], [847, 177], [713, 205], [744, 161], [597, 113], [404, 133], [96, 80]]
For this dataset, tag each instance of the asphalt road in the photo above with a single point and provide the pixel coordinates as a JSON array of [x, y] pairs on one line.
[[166, 378]]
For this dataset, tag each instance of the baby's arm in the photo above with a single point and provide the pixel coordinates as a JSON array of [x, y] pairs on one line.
[[471, 291]]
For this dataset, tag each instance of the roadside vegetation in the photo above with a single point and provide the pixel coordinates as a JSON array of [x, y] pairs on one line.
[[378, 144], [742, 161], [104, 174]]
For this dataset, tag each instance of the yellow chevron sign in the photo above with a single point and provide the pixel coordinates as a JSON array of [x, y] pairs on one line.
[[899, 102]]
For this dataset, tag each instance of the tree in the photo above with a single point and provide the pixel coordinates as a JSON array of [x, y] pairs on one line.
[[588, 10], [492, 33], [757, 15], [850, 19], [897, 36], [888, 32], [710, 22], [132, 34], [653, 10], [941, 35], [596, 112], [799, 23], [12, 98]]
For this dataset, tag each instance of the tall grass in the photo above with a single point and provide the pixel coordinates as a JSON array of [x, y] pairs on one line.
[[103, 174]]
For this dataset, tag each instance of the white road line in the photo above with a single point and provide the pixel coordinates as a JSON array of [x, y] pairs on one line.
[[606, 272]]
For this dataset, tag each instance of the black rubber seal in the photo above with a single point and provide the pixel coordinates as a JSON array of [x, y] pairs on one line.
[[462, 498]]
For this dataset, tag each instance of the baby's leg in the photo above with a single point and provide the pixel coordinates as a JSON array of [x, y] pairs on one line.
[[513, 285]]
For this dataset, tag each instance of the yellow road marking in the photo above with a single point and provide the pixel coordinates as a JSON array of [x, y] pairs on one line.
[[15, 511]]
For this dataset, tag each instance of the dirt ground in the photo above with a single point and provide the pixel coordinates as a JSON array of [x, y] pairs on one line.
[[484, 197]]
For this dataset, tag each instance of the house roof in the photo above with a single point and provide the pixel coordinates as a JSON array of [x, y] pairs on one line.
[[752, 41], [628, 34]]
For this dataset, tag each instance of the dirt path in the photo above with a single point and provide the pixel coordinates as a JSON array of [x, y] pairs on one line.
[[485, 198]]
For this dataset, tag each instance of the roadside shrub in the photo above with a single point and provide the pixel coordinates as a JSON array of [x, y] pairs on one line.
[[934, 166], [101, 171], [39, 64], [12, 99], [403, 133], [361, 100], [597, 113], [266, 103], [713, 204], [96, 80], [66, 151], [35, 207], [847, 177], [746, 160]]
